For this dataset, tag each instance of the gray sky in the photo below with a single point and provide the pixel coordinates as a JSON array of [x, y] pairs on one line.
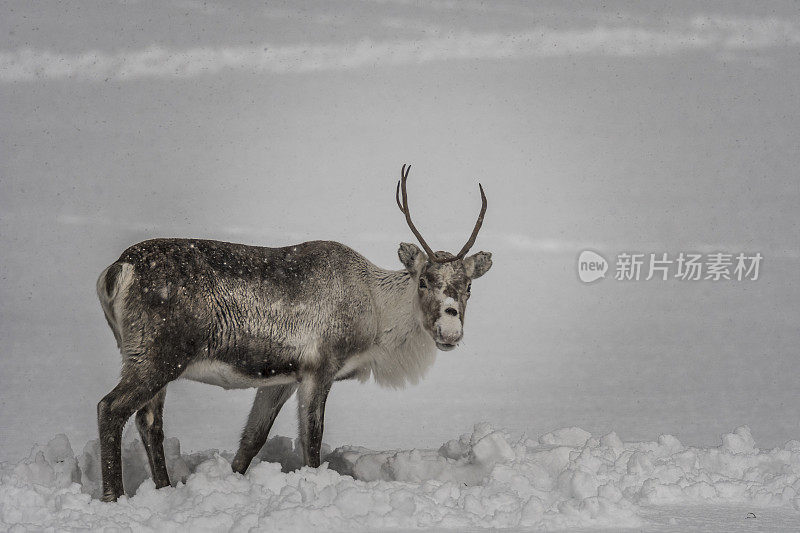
[[151, 113], [650, 127]]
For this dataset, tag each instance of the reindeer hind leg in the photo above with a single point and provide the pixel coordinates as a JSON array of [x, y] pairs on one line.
[[141, 381], [150, 423]]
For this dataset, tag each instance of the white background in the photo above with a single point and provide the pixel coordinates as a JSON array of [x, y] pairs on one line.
[[632, 128]]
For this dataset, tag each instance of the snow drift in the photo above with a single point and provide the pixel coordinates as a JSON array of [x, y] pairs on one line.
[[485, 479]]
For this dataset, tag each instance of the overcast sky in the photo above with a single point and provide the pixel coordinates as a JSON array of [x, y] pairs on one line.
[[234, 114], [650, 127]]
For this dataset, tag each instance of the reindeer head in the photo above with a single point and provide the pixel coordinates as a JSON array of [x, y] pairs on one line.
[[443, 280]]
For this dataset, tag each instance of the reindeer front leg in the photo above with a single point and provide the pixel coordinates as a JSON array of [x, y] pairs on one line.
[[311, 396], [266, 406]]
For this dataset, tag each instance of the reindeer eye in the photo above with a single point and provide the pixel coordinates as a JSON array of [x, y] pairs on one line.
[[422, 284]]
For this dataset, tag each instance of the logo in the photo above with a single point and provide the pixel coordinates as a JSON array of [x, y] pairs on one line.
[[664, 266], [591, 266]]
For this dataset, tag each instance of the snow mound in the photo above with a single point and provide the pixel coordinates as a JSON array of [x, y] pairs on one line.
[[485, 479]]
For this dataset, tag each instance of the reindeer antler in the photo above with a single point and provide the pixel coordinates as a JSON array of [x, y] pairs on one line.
[[401, 185], [404, 208], [477, 227]]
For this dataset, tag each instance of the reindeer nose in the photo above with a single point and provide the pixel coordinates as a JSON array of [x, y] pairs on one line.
[[452, 311], [447, 335]]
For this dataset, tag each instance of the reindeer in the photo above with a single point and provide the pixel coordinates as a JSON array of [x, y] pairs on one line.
[[281, 320]]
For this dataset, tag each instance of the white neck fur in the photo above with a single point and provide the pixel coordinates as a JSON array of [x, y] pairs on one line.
[[403, 350]]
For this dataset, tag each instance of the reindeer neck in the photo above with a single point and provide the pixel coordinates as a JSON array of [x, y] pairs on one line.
[[403, 349], [396, 301]]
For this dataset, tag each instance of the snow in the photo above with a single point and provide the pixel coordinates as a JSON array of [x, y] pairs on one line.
[[485, 479]]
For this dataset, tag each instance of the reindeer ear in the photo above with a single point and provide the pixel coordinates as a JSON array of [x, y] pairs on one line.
[[479, 264], [411, 257]]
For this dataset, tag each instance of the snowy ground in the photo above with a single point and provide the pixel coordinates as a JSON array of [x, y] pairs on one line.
[[566, 479]]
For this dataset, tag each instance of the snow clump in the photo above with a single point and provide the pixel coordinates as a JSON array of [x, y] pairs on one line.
[[484, 479]]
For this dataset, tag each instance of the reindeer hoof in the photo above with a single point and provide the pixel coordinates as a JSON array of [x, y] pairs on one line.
[[111, 496]]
